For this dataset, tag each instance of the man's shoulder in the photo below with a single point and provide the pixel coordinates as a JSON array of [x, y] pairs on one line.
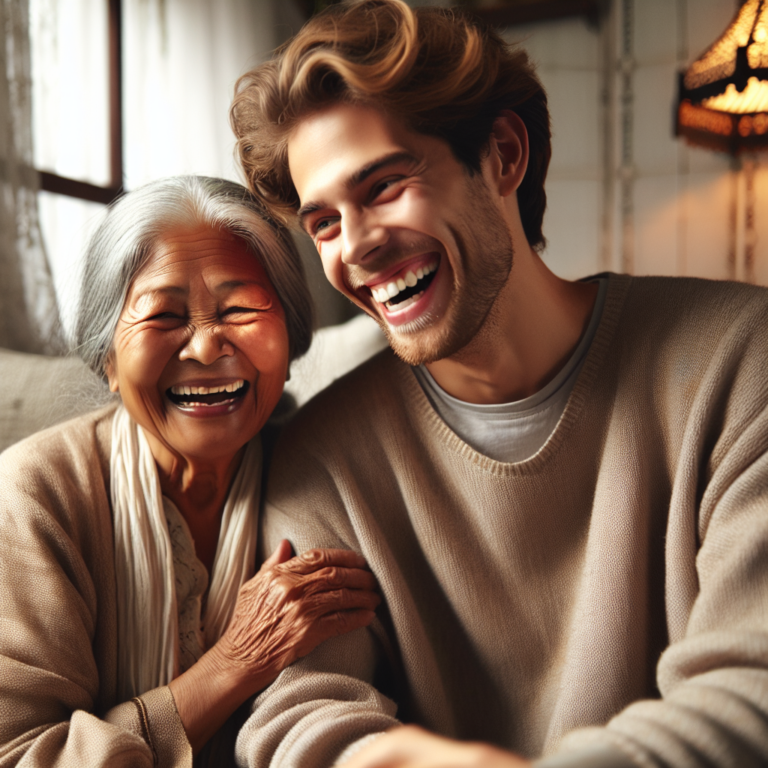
[[685, 323], [687, 315], [359, 420], [692, 298], [365, 394], [340, 436]]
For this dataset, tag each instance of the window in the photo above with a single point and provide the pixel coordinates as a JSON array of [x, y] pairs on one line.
[[77, 124]]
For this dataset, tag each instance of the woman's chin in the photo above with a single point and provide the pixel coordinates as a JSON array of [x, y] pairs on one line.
[[210, 433]]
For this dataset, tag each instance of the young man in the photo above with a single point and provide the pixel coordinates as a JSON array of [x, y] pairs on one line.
[[561, 487]]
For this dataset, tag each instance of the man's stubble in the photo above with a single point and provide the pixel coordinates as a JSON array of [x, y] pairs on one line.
[[486, 253]]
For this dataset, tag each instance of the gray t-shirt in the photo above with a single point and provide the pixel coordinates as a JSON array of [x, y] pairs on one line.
[[514, 431]]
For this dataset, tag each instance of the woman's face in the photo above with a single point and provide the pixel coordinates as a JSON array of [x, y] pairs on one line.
[[200, 354]]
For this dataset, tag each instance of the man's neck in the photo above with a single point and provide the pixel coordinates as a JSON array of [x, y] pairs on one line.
[[532, 330]]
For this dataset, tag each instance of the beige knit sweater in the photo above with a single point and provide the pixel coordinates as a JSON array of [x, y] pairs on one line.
[[58, 622], [608, 594]]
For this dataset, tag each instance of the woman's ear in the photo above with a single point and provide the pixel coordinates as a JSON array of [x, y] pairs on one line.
[[509, 149], [111, 371]]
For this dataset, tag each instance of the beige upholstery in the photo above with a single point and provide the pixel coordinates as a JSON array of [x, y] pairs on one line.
[[39, 391]]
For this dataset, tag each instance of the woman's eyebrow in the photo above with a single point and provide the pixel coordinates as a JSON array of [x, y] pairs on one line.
[[152, 292], [229, 285]]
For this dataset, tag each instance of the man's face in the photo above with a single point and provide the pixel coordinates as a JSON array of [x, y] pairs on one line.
[[401, 227]]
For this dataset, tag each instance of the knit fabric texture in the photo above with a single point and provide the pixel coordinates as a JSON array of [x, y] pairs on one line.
[[607, 595]]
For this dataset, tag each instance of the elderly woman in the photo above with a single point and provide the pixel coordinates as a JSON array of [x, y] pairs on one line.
[[132, 628]]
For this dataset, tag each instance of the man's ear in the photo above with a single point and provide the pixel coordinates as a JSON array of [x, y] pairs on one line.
[[111, 371], [508, 151]]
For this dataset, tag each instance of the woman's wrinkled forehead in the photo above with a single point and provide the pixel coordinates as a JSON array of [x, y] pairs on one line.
[[181, 254]]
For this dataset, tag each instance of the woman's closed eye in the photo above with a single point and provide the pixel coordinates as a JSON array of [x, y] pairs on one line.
[[166, 319], [242, 314]]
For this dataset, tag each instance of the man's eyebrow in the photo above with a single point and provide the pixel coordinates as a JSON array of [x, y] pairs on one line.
[[358, 177], [305, 210]]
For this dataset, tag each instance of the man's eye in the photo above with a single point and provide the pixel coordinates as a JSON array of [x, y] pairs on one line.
[[321, 226], [388, 185]]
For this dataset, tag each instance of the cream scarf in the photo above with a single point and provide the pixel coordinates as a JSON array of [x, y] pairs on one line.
[[146, 592]]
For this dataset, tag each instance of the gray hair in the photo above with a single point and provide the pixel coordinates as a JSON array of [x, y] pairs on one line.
[[134, 223]]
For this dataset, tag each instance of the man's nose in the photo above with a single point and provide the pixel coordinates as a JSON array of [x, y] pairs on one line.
[[206, 345], [361, 234]]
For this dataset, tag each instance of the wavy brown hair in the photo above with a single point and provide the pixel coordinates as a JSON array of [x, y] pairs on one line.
[[439, 71]]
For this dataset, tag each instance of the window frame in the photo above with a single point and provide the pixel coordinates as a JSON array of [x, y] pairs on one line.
[[83, 190]]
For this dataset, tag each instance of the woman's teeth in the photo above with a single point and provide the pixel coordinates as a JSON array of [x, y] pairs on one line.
[[392, 289], [184, 390], [191, 397]]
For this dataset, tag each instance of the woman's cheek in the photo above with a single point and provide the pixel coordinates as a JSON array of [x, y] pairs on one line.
[[151, 363], [270, 352]]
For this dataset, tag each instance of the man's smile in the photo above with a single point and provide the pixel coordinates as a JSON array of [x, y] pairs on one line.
[[404, 285], [405, 291]]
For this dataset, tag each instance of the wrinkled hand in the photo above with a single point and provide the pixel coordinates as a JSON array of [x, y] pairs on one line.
[[412, 747], [294, 603]]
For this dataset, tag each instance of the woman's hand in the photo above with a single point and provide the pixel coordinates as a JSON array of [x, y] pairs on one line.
[[413, 747], [291, 605], [288, 608]]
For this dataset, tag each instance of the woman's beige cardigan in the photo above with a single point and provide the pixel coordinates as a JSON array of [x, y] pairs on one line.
[[58, 622]]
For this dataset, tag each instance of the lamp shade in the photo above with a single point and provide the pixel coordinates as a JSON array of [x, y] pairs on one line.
[[723, 95]]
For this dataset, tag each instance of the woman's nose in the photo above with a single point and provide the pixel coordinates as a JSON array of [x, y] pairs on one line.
[[206, 346]]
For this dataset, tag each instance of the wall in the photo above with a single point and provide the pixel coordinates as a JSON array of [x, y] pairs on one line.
[[624, 193]]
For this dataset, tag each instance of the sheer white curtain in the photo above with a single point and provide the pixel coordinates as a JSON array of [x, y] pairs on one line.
[[182, 59], [70, 105], [28, 314]]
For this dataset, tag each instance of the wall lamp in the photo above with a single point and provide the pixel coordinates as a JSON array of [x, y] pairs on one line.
[[723, 95]]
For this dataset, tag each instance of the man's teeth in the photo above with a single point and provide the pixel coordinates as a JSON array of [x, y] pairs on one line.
[[184, 390], [408, 280]]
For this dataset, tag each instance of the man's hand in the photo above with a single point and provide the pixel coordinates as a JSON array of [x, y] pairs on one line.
[[412, 747]]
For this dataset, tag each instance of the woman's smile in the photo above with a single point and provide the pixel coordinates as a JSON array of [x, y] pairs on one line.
[[208, 400]]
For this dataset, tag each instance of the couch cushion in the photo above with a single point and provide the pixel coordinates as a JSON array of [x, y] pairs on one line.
[[39, 391]]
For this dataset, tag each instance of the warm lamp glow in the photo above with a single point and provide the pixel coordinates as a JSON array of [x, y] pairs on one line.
[[723, 102], [754, 98]]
